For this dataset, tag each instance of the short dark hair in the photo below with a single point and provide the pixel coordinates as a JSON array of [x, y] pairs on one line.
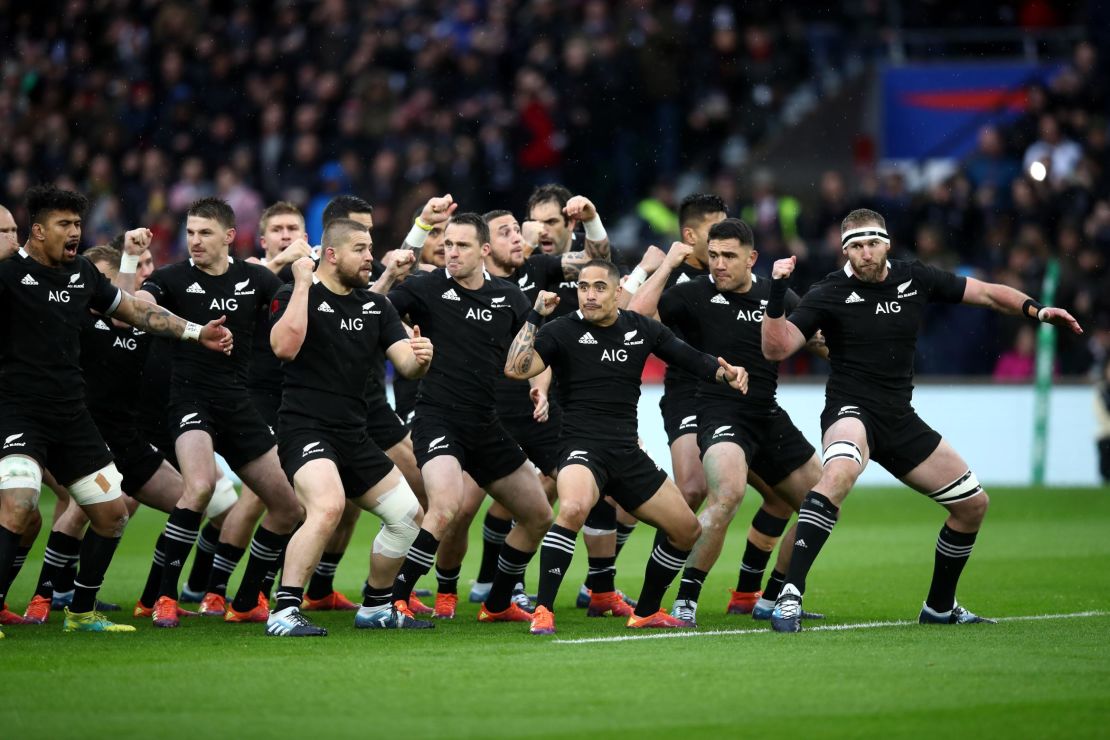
[[339, 230], [117, 241], [696, 206], [552, 192], [472, 219], [342, 206], [42, 200], [611, 270], [216, 209], [497, 213], [861, 217], [110, 255], [281, 208], [732, 228]]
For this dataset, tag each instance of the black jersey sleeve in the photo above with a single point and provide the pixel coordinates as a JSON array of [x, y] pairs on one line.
[[549, 270], [392, 330], [269, 283], [156, 286], [808, 314], [279, 303], [404, 297], [546, 345], [521, 307], [105, 296], [792, 301], [672, 308], [673, 351], [944, 287]]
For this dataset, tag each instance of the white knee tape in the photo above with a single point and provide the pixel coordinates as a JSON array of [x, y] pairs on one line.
[[595, 532], [397, 509], [99, 487], [966, 486], [18, 471], [842, 450], [223, 498]]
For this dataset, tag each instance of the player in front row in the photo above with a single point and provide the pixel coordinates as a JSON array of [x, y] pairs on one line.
[[327, 332], [598, 355], [870, 313], [45, 290]]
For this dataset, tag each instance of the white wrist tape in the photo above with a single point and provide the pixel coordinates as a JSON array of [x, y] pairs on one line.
[[416, 237], [635, 280], [1040, 314], [595, 230], [191, 333], [129, 263]]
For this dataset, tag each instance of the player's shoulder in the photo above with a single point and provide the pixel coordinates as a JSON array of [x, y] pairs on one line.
[[835, 280], [563, 325], [541, 260], [171, 270], [501, 284]]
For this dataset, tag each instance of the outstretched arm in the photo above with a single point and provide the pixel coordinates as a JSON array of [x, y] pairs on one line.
[[523, 362], [153, 319], [780, 337], [1004, 299]]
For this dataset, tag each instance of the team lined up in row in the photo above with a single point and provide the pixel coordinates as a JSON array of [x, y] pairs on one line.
[[330, 329]]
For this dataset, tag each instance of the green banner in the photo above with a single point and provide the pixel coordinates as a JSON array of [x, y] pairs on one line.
[[1046, 361]]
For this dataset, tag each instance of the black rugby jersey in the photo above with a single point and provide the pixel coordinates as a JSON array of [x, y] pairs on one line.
[[243, 294], [728, 325], [871, 328], [346, 334], [599, 368], [112, 361], [675, 379], [471, 330], [42, 309]]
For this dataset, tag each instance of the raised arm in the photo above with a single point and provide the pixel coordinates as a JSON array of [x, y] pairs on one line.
[[523, 362], [580, 208], [645, 298], [135, 242], [411, 357], [153, 319], [295, 251], [397, 262], [780, 337], [1004, 299], [288, 332]]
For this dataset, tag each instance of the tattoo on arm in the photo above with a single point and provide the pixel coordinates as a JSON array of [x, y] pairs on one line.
[[572, 264], [597, 250], [521, 352], [150, 317]]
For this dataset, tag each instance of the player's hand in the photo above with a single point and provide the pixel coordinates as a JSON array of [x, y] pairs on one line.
[[540, 405], [298, 249], [784, 268], [302, 270], [438, 210], [580, 208], [421, 347], [678, 253], [653, 258], [546, 302], [735, 377], [399, 261], [217, 337], [1060, 317], [136, 241]]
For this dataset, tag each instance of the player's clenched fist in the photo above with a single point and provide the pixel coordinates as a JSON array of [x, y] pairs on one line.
[[546, 302], [421, 347], [302, 269], [784, 268], [678, 253]]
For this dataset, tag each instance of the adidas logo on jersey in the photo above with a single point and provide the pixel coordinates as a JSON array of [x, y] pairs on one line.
[[587, 338], [325, 308], [556, 571], [683, 278], [800, 543], [195, 288], [854, 298], [450, 295], [101, 325], [719, 300], [28, 280]]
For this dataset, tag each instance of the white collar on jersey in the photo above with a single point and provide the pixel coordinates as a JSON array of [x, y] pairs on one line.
[[848, 269], [315, 278], [230, 261], [23, 252]]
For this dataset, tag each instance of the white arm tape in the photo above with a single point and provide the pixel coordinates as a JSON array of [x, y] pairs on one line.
[[416, 237], [129, 263], [635, 280], [595, 230], [191, 333]]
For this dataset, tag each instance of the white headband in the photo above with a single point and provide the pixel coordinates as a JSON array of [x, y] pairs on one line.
[[867, 232]]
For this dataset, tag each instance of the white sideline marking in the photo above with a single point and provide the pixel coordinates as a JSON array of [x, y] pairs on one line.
[[822, 628]]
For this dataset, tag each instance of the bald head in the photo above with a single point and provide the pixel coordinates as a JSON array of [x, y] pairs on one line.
[[9, 242]]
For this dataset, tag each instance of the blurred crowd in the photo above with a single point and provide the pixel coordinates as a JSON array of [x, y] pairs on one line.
[[145, 105]]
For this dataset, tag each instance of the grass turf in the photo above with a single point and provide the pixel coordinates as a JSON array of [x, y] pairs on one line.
[[1042, 552]]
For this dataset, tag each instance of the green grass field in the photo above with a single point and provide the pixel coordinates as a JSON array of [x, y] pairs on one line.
[[1041, 553]]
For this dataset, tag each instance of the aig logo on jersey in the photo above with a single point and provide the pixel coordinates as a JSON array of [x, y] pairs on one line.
[[614, 355], [888, 307], [58, 296], [755, 315], [127, 343], [224, 304], [480, 314]]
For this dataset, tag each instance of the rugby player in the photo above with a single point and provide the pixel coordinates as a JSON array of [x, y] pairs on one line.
[[720, 313], [557, 213], [870, 313], [210, 409], [45, 290], [471, 317], [328, 330], [598, 355]]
